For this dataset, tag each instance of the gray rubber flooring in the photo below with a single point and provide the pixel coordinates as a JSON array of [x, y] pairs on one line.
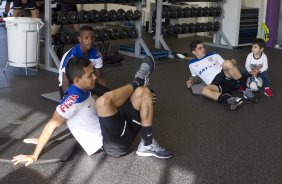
[[211, 145]]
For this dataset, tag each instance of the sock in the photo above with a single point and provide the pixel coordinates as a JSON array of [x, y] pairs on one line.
[[243, 82], [137, 82], [224, 97], [146, 134]]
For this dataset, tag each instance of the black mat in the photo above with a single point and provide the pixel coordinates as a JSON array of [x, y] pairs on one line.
[[58, 150], [53, 96]]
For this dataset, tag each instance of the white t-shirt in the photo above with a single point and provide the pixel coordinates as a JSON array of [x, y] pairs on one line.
[[253, 63], [207, 67], [94, 56], [78, 107]]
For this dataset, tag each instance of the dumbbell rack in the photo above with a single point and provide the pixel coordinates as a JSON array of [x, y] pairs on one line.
[[159, 40], [51, 54]]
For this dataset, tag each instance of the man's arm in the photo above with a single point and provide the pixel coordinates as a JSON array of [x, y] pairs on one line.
[[46, 134], [100, 76], [65, 82]]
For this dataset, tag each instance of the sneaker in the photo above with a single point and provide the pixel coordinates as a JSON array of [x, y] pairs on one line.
[[234, 102], [268, 92], [241, 89], [153, 149], [146, 68], [249, 95]]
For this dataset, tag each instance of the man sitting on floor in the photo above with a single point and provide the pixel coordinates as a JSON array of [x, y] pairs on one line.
[[86, 49], [220, 76], [112, 122]]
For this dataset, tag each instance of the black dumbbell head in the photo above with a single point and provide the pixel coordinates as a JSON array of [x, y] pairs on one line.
[[133, 33], [66, 37], [124, 33], [137, 15], [104, 34], [104, 15], [129, 15], [177, 29], [73, 17], [113, 15], [120, 14], [83, 16], [94, 16], [115, 34]]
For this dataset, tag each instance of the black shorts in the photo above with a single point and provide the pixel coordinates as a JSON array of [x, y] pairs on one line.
[[120, 130], [30, 5], [67, 7], [224, 83]]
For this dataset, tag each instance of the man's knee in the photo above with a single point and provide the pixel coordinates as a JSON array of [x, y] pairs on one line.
[[103, 101], [228, 64], [144, 93]]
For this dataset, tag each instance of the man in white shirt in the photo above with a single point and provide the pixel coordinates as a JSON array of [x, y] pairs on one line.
[[220, 76], [113, 124]]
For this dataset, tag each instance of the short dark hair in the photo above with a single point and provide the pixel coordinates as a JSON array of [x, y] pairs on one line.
[[193, 44], [75, 67], [86, 28], [259, 41]]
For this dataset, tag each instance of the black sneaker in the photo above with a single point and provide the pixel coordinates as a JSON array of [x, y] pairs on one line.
[[153, 149], [249, 95], [146, 69], [234, 103]]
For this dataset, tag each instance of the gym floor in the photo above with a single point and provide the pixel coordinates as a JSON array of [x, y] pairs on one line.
[[210, 143]]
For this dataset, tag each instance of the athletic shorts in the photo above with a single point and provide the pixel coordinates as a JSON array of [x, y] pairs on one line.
[[30, 5], [120, 130], [224, 83], [67, 7]]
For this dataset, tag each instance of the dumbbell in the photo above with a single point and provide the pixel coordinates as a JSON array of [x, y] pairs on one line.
[[112, 15], [104, 34], [94, 16], [65, 37], [120, 14], [75, 37], [187, 12], [73, 17], [104, 15], [129, 15], [198, 27], [173, 12], [115, 34], [192, 28], [137, 15], [124, 33], [204, 27], [60, 17], [194, 12], [209, 26], [170, 30], [83, 16], [180, 12], [177, 29], [166, 12], [216, 26], [206, 11], [218, 11], [97, 35], [200, 12], [132, 33], [212, 11], [185, 28]]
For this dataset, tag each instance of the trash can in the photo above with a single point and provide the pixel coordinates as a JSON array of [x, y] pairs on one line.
[[23, 41]]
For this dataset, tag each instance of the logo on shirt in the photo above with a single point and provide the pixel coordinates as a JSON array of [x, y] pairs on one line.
[[68, 102]]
